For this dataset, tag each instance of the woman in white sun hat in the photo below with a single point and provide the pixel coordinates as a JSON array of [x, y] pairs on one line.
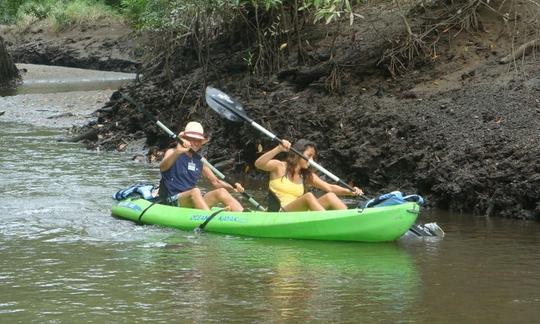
[[182, 168]]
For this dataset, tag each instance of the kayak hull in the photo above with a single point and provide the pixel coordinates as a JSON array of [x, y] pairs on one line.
[[379, 224]]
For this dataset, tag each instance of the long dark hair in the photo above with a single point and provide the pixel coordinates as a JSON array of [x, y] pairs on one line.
[[293, 159]]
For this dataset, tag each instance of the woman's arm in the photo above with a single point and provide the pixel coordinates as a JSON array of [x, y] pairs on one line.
[[214, 181], [217, 183], [266, 161], [338, 190], [171, 155]]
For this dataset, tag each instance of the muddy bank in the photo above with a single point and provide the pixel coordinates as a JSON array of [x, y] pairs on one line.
[[473, 149], [58, 97], [463, 130], [103, 46]]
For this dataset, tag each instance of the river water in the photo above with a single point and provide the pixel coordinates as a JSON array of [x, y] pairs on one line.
[[64, 259]]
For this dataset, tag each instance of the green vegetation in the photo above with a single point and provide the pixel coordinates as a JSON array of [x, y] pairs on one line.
[[81, 12], [269, 30], [151, 14], [60, 13], [162, 13]]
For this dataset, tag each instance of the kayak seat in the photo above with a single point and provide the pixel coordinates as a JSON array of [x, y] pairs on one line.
[[273, 203]]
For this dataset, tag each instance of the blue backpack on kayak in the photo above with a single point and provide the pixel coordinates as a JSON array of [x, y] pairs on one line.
[[393, 198], [141, 190], [397, 198]]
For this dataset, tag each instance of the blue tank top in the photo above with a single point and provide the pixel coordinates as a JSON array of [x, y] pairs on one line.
[[183, 175]]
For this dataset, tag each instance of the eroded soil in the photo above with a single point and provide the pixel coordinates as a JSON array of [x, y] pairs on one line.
[[101, 46], [463, 130]]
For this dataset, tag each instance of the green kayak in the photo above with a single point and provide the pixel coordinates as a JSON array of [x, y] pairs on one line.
[[378, 224]]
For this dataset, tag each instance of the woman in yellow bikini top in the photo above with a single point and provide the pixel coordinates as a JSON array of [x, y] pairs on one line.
[[289, 179], [286, 190]]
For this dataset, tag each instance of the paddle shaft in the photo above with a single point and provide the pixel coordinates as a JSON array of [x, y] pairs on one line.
[[275, 138], [172, 135]]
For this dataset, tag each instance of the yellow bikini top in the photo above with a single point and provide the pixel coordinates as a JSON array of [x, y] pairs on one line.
[[286, 190]]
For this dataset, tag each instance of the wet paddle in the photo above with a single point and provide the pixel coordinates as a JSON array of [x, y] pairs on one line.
[[232, 110], [220, 175]]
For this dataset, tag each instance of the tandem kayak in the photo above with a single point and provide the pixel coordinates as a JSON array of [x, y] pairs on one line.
[[380, 224]]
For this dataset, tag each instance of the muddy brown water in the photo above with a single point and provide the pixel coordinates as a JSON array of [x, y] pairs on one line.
[[63, 257]]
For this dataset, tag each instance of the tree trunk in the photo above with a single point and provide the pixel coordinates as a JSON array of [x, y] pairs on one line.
[[8, 70]]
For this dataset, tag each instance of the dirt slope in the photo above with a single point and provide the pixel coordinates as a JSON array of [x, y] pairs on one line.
[[102, 46], [462, 130]]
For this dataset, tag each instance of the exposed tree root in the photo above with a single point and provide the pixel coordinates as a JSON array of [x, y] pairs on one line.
[[521, 51], [8, 70]]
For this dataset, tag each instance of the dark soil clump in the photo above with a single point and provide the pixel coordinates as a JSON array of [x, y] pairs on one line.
[[8, 71]]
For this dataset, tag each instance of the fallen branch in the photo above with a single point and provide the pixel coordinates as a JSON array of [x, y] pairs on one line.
[[521, 51], [91, 135]]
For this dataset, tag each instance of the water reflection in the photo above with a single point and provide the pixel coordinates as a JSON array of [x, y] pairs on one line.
[[297, 280], [207, 278]]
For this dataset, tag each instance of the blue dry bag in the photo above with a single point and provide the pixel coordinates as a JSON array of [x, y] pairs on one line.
[[393, 198], [141, 190]]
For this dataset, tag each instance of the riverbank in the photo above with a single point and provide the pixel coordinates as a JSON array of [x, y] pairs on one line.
[[107, 46], [59, 97], [462, 131]]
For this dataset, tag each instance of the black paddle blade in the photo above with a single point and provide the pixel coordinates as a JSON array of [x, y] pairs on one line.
[[224, 105]]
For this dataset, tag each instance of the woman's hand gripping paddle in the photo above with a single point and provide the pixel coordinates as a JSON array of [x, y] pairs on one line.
[[232, 110]]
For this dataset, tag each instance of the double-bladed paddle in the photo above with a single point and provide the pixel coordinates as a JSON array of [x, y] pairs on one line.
[[171, 134], [232, 110]]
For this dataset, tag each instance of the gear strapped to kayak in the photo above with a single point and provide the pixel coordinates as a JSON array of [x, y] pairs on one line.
[[139, 190], [392, 198], [397, 198], [146, 191]]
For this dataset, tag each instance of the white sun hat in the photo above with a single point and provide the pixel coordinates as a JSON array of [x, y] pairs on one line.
[[193, 130]]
